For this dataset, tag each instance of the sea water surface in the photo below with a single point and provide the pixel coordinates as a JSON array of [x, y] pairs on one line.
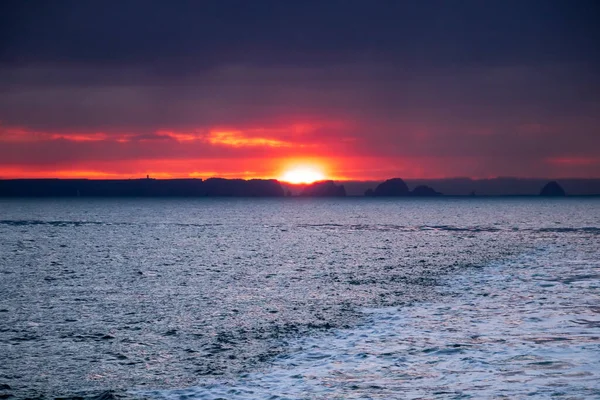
[[300, 298]]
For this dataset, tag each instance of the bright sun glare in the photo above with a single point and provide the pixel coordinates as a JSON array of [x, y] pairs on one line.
[[303, 175]]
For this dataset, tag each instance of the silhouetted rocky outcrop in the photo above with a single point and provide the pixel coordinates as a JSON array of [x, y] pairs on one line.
[[423, 190], [553, 189], [486, 187], [323, 189], [396, 187], [391, 187]]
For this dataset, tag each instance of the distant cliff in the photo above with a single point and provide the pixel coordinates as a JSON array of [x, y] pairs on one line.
[[242, 188], [141, 188]]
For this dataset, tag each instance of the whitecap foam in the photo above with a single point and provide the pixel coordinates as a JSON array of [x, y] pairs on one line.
[[508, 330]]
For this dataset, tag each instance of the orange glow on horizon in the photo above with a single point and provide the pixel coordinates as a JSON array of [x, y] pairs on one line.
[[290, 170]]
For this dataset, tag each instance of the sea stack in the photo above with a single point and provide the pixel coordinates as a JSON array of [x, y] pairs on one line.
[[553, 189], [395, 187]]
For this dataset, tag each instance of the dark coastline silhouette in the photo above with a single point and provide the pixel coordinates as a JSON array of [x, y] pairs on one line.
[[141, 188], [220, 187]]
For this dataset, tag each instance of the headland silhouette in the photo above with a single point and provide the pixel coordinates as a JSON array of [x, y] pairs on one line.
[[221, 187]]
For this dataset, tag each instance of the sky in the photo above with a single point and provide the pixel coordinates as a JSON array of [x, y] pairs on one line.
[[357, 89]]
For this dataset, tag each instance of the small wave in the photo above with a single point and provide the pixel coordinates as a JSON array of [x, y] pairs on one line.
[[196, 225], [460, 228], [320, 225], [449, 228], [34, 222], [402, 228], [585, 229], [25, 222]]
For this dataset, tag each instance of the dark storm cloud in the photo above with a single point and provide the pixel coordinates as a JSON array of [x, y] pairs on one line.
[[512, 84], [177, 36]]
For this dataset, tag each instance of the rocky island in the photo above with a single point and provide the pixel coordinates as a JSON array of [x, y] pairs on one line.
[[396, 187], [553, 189]]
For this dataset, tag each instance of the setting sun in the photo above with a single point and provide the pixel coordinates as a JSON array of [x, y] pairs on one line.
[[302, 175]]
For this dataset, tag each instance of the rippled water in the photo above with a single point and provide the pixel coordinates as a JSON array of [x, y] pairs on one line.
[[349, 298], [527, 328]]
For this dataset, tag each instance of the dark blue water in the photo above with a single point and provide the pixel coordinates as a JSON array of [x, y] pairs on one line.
[[300, 298]]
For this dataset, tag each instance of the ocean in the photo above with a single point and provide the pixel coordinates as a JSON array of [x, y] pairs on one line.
[[349, 298]]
